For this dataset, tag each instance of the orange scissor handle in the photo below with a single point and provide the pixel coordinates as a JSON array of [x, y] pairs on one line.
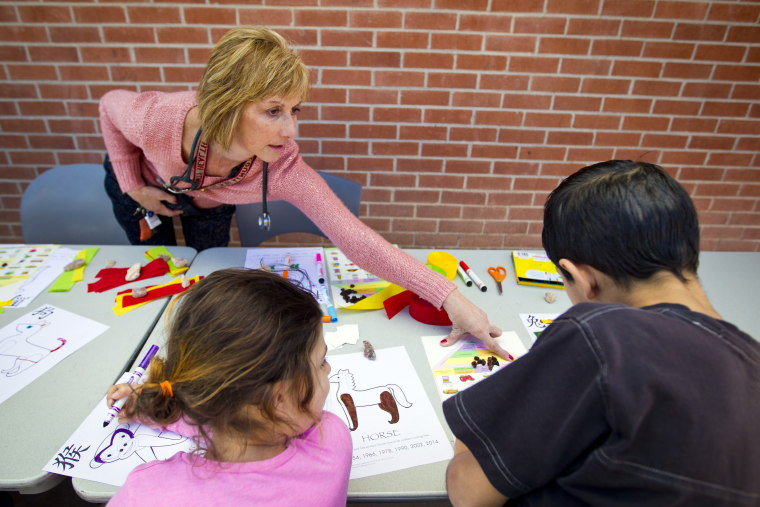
[[498, 273]]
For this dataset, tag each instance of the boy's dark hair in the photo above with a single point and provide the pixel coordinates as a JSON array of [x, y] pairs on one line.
[[627, 219]]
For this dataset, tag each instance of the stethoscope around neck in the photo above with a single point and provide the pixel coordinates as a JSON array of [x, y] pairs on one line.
[[265, 220]]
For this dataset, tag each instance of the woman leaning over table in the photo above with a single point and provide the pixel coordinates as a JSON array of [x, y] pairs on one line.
[[198, 153]]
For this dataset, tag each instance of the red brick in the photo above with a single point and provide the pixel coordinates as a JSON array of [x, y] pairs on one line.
[[548, 120], [588, 156], [617, 139], [521, 136], [700, 173], [43, 14], [476, 99], [397, 78], [74, 34], [749, 34], [700, 32], [345, 147], [493, 151], [543, 25], [717, 189], [375, 59], [606, 86], [373, 96], [109, 54], [467, 5], [429, 60], [687, 70], [51, 143], [413, 40], [596, 121], [424, 132], [182, 35], [720, 52], [503, 82], [526, 101], [473, 134], [511, 43], [42, 108], [63, 91], [456, 42], [681, 10], [555, 84], [730, 159], [141, 14], [736, 73], [419, 165], [616, 47], [210, 16], [424, 97], [637, 69], [579, 7], [371, 131], [445, 150], [596, 66], [725, 109], [693, 125], [320, 17], [742, 175], [523, 6], [8, 14], [668, 50], [656, 87], [18, 54], [447, 116], [393, 180], [321, 130], [707, 90], [391, 210], [564, 45], [621, 105], [182, 75], [397, 114], [417, 196], [484, 22], [647, 29], [711, 142], [664, 141], [32, 157], [32, 72], [99, 14], [346, 113], [500, 118], [536, 65], [541, 153], [450, 80], [593, 26], [628, 9], [646, 123], [734, 12], [441, 181], [570, 138], [324, 58], [375, 19], [485, 63], [346, 77], [83, 72], [746, 92], [128, 34], [751, 127], [684, 107], [356, 38]]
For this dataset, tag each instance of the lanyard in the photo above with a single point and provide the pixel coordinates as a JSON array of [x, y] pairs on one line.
[[196, 171]]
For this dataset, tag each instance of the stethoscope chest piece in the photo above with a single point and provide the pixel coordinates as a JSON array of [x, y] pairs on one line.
[[265, 221]]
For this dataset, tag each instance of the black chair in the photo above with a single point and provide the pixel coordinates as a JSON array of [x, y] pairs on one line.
[[287, 218]]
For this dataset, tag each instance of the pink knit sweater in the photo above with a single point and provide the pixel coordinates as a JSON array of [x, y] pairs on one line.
[[143, 136]]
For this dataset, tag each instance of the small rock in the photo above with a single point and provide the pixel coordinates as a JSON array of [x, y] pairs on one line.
[[133, 273], [139, 292], [550, 297], [75, 264]]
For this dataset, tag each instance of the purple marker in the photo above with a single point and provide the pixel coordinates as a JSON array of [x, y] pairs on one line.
[[133, 379]]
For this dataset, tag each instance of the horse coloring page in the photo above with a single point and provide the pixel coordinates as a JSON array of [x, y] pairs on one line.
[[37, 341], [393, 424], [108, 454]]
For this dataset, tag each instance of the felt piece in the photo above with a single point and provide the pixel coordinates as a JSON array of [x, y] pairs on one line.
[[419, 309], [125, 302], [153, 253], [113, 277], [68, 278]]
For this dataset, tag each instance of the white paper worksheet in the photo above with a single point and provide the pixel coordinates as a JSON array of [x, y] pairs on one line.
[[37, 341], [393, 425]]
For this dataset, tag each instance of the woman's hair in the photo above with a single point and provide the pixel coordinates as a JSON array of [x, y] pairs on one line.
[[248, 64], [232, 337], [627, 219]]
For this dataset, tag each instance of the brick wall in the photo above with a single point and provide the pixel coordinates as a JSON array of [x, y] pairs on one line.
[[457, 116]]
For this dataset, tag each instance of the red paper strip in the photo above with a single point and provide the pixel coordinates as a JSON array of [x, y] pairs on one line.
[[113, 277], [419, 309], [153, 293]]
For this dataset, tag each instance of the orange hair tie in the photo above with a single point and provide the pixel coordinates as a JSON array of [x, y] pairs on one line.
[[166, 387]]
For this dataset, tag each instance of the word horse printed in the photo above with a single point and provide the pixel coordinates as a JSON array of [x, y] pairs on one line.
[[387, 397]]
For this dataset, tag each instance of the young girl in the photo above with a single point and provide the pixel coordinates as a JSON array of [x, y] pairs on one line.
[[245, 372]]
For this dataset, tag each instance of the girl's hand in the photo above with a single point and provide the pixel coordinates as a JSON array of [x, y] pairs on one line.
[[122, 391], [466, 318], [150, 198]]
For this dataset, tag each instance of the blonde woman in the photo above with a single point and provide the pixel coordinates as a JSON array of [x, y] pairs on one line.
[[197, 153]]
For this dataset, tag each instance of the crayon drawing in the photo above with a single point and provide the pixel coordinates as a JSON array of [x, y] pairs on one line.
[[108, 454], [387, 397], [37, 341]]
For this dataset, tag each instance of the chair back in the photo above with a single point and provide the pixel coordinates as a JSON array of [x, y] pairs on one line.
[[68, 204], [287, 218]]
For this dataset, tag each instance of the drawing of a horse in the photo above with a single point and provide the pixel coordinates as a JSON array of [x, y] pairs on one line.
[[387, 397]]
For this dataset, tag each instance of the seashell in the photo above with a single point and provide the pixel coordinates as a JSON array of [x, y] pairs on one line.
[[133, 273], [184, 282], [550, 297], [179, 262], [75, 264], [139, 292]]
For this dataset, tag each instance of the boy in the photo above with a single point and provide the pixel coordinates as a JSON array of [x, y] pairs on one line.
[[639, 394]]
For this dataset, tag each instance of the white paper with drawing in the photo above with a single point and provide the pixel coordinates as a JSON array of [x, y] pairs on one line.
[[29, 270], [108, 454], [37, 341], [393, 424], [279, 260]]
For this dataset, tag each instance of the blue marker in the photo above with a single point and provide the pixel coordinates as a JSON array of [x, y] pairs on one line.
[[330, 307], [133, 379]]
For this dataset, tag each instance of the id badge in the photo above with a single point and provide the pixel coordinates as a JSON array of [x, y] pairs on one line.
[[152, 220]]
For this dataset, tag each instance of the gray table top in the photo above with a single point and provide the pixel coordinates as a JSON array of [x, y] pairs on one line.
[[729, 292], [39, 418]]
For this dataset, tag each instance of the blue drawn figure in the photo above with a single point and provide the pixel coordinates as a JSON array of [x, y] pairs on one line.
[[386, 397], [24, 349], [133, 439]]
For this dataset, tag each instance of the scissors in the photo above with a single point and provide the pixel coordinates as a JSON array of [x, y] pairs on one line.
[[498, 273]]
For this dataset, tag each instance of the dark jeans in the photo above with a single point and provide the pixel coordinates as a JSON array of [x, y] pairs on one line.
[[203, 227]]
